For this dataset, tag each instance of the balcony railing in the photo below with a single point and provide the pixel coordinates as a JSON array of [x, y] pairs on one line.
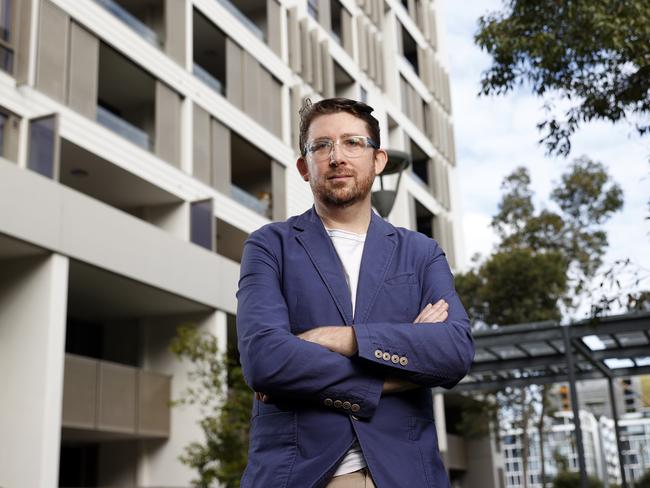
[[132, 21], [248, 200], [120, 126], [107, 397], [232, 8], [207, 78]]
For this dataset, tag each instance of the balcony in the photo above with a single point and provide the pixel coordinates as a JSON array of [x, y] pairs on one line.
[[136, 14], [210, 56], [123, 128], [344, 84], [102, 180], [111, 398], [129, 113], [421, 165], [230, 240], [251, 13], [409, 49], [424, 220], [206, 77], [251, 176]]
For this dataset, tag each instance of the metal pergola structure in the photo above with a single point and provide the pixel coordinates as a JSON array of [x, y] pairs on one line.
[[546, 352]]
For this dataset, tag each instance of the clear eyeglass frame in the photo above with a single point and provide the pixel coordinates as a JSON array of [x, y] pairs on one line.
[[350, 145]]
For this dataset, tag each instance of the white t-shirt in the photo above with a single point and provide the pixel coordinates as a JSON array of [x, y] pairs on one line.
[[349, 247]]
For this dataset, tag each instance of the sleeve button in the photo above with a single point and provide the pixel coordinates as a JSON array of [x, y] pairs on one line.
[[355, 407], [394, 358], [378, 354], [386, 356], [338, 403], [403, 361], [328, 402], [347, 405]]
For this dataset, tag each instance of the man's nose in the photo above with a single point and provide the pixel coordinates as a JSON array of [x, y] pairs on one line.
[[336, 155]]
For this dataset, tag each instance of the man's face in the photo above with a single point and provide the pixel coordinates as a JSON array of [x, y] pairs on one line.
[[349, 180]]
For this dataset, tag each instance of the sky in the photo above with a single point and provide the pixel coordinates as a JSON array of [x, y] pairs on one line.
[[494, 135]]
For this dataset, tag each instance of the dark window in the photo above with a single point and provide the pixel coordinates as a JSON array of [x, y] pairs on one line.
[[410, 49], [201, 222], [42, 146], [312, 8], [6, 36], [3, 126], [78, 465]]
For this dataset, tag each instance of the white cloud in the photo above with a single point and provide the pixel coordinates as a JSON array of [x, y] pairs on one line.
[[496, 134]]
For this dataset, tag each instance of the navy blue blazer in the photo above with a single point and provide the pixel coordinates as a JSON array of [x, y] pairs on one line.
[[292, 280]]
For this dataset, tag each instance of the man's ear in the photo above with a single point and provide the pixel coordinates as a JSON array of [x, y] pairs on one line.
[[381, 158], [301, 164]]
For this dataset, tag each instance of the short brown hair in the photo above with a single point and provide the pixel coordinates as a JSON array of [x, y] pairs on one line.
[[309, 111]]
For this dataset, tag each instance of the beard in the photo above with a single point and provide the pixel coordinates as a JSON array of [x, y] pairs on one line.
[[342, 193]]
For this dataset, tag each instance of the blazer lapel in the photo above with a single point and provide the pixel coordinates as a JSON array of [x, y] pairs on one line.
[[318, 245], [378, 253]]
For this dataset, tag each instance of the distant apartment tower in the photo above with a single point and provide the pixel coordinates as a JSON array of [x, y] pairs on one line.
[[599, 443], [141, 141]]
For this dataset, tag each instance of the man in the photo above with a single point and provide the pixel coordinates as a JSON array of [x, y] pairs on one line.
[[344, 323]]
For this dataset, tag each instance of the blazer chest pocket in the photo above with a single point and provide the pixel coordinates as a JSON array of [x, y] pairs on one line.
[[399, 298]]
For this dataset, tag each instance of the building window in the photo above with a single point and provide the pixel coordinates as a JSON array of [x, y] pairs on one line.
[[312, 8], [201, 224], [6, 36], [43, 146], [410, 50]]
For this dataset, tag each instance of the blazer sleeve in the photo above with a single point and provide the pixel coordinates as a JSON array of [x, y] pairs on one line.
[[429, 354], [276, 362]]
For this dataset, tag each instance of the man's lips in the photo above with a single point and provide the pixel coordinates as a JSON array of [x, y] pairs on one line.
[[339, 176]]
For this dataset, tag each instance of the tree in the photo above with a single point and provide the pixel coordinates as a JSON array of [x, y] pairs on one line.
[[644, 481], [591, 58], [543, 261], [225, 400], [567, 479]]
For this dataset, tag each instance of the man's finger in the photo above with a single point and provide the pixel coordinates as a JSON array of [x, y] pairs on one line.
[[438, 315]]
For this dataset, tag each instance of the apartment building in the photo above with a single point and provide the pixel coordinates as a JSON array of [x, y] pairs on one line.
[[599, 444], [141, 141]]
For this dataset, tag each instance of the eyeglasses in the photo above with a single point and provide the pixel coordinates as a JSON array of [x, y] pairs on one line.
[[350, 146]]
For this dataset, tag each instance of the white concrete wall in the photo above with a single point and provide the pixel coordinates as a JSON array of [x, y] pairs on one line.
[[33, 298], [159, 466]]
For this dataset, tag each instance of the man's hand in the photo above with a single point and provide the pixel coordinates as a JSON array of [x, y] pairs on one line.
[[433, 312], [339, 339]]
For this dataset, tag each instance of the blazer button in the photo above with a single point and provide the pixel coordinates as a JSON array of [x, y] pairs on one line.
[[355, 407], [347, 405], [386, 356], [394, 358], [338, 403], [403, 361], [328, 402], [378, 354]]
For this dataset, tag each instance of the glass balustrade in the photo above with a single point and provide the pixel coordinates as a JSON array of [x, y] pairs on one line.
[[132, 21], [207, 78], [120, 126], [249, 201], [232, 8]]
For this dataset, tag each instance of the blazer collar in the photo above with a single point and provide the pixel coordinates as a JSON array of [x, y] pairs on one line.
[[377, 255]]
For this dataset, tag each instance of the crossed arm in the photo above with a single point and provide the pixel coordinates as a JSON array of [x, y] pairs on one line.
[[341, 340], [317, 365]]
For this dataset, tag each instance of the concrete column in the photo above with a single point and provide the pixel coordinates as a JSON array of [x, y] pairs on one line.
[[441, 424], [33, 300], [158, 462]]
